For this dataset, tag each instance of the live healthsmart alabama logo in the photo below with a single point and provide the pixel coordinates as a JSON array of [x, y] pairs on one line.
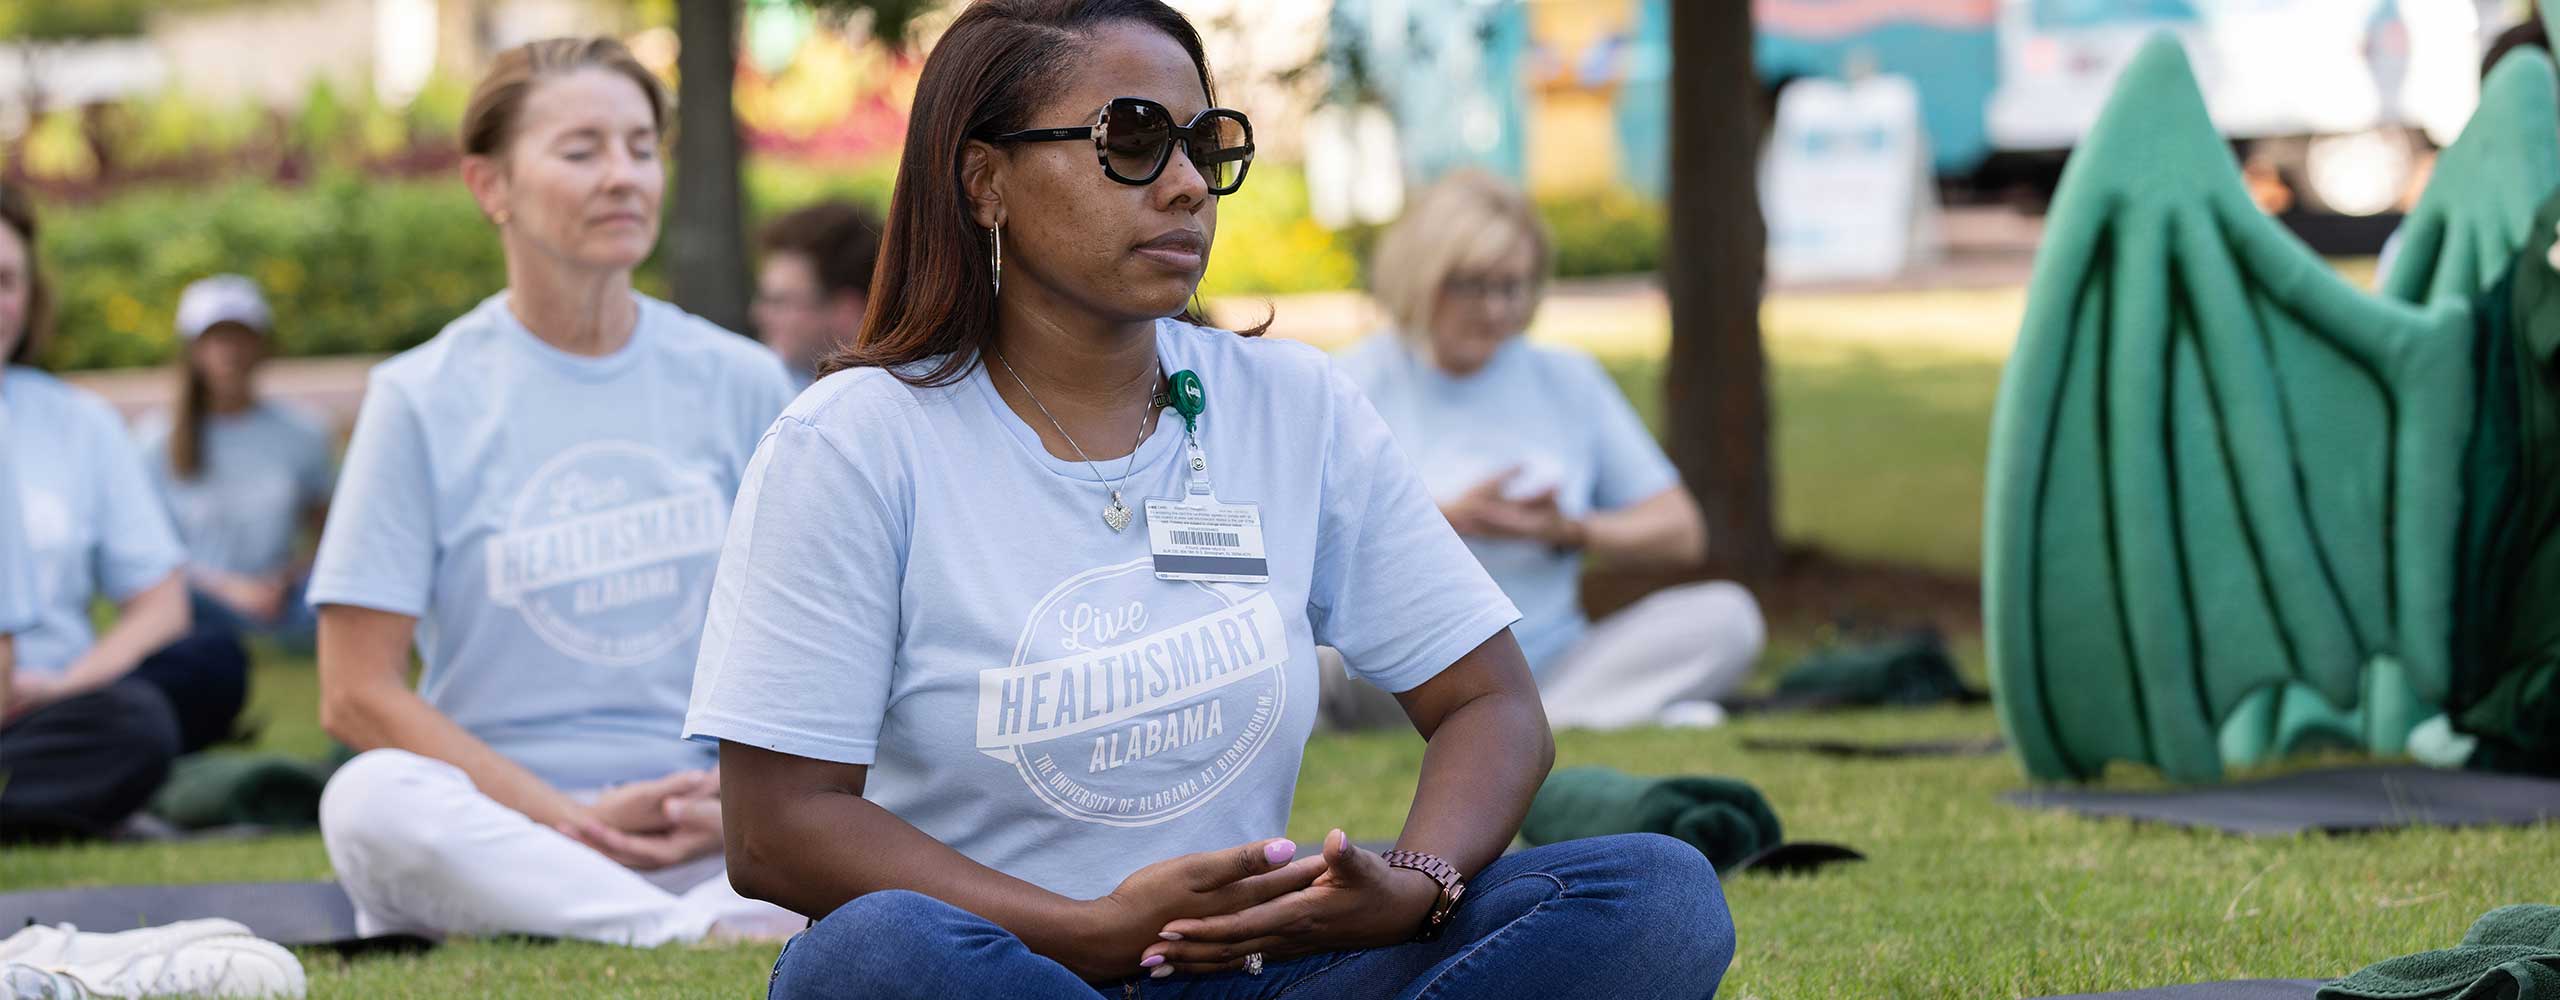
[[1130, 701], [608, 552]]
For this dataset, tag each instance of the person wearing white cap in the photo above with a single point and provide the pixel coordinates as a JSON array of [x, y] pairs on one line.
[[87, 728], [243, 475]]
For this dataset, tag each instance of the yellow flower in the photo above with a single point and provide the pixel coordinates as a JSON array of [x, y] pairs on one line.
[[282, 276], [124, 313]]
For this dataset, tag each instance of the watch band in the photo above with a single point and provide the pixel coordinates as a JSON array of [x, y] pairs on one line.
[[1438, 870]]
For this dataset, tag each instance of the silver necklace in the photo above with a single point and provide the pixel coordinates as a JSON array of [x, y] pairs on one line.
[[1117, 513]]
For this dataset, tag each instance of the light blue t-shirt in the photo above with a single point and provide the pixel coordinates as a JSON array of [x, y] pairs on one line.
[[92, 521], [260, 470], [552, 521], [912, 582], [17, 562], [1553, 413]]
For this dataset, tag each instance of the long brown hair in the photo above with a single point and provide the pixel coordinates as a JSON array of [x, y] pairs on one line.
[[186, 426], [195, 403], [19, 214], [930, 293]]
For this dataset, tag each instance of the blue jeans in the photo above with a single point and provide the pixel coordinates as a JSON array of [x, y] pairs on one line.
[[1628, 917]]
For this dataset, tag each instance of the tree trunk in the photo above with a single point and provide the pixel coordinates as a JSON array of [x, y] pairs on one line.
[[1717, 386], [707, 237]]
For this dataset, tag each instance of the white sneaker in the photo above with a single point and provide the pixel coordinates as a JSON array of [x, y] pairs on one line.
[[1693, 715], [231, 965], [20, 981], [63, 945]]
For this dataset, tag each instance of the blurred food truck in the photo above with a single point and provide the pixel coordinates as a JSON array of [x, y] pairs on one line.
[[2343, 98]]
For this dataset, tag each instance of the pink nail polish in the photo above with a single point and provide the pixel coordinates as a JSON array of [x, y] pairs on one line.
[[1170, 936], [1280, 851], [1161, 972], [1151, 962]]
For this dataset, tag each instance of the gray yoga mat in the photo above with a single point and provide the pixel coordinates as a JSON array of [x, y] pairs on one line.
[[2330, 800], [295, 914], [2239, 989]]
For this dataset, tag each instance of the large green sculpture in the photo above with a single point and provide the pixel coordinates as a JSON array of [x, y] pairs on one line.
[[2238, 507]]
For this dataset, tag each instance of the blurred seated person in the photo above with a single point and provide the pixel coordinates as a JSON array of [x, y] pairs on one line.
[[533, 505], [90, 720], [1539, 461], [242, 475], [815, 283]]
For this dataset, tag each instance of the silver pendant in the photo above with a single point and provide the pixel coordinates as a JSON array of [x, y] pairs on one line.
[[1116, 515]]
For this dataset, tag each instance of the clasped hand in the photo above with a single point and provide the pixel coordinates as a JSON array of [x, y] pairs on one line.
[[1203, 913], [1486, 510], [653, 824]]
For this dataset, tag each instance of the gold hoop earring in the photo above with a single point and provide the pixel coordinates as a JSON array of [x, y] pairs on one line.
[[501, 217], [995, 255]]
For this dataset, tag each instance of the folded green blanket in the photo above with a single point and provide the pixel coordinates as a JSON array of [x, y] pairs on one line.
[[1725, 819], [1908, 670], [2513, 953], [222, 789]]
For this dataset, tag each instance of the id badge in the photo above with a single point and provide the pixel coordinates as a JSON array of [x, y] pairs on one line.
[[1200, 537], [1210, 541]]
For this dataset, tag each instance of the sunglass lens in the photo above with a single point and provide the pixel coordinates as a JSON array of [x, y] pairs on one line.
[[1133, 139], [1221, 149]]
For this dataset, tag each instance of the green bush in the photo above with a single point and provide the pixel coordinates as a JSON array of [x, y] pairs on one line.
[[1268, 246], [357, 265], [1614, 232], [350, 265]]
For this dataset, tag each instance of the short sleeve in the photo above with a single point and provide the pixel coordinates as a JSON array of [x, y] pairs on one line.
[[1629, 466], [1394, 589], [801, 642], [763, 391], [140, 546], [378, 549], [17, 562]]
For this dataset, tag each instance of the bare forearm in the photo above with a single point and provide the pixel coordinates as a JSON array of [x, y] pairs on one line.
[[1662, 531], [396, 718], [820, 850], [1484, 763], [8, 670], [151, 620]]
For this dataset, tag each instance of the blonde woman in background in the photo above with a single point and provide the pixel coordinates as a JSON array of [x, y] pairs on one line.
[[1538, 460]]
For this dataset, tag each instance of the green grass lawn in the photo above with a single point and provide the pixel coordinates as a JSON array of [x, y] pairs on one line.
[[1963, 897], [1882, 406], [1877, 454]]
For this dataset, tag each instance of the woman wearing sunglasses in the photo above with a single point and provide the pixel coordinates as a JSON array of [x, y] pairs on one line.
[[1011, 654]]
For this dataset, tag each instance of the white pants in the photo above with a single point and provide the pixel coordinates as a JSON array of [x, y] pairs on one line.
[[421, 851], [1694, 642]]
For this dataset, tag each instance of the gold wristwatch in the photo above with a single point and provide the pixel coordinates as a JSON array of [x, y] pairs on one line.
[[1451, 888]]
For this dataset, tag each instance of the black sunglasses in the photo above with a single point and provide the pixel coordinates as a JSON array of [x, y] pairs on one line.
[[1134, 137]]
